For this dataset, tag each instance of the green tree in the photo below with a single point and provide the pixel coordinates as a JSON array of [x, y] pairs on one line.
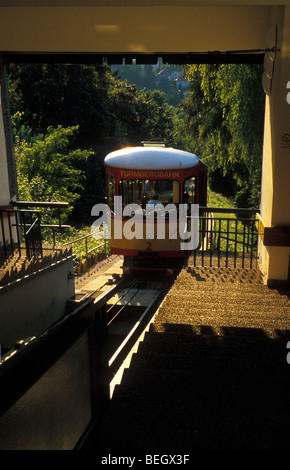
[[140, 115], [107, 112], [225, 113], [48, 169], [67, 95], [143, 76]]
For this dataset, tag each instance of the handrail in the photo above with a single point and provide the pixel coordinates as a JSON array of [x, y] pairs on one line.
[[32, 226], [8, 239], [55, 204], [21, 209], [85, 237], [230, 210], [239, 231], [46, 204], [78, 239]]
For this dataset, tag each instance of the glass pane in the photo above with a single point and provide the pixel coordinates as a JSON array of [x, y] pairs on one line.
[[142, 191], [189, 189]]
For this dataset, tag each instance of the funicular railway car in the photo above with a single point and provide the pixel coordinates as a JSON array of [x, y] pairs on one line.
[[145, 177]]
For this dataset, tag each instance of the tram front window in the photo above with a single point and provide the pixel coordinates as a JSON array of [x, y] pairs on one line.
[[189, 190], [144, 191]]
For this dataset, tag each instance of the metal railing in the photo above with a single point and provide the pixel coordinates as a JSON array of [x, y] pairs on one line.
[[21, 227], [85, 252], [227, 237], [32, 235], [56, 206]]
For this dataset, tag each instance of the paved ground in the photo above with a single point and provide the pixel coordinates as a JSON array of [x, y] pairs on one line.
[[98, 276]]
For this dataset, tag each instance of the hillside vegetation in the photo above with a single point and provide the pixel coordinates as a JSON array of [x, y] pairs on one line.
[[66, 118]]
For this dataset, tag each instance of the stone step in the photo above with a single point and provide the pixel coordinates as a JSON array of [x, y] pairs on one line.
[[209, 301], [239, 338], [219, 327], [218, 313], [208, 360], [187, 289], [162, 402], [218, 284], [208, 432], [225, 291], [222, 271], [207, 389], [211, 372]]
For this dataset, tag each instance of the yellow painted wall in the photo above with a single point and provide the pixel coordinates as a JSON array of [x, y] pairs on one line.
[[275, 192]]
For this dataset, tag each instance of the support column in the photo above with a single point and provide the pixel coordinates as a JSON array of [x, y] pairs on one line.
[[8, 180], [274, 240]]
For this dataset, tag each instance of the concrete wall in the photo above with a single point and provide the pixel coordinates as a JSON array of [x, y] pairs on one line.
[[29, 306]]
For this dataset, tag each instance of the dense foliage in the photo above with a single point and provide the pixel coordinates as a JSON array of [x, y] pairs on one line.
[[223, 122], [66, 118]]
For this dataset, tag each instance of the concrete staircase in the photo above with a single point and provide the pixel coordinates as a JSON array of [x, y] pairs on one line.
[[211, 372]]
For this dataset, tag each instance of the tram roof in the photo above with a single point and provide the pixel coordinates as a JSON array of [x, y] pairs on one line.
[[151, 158]]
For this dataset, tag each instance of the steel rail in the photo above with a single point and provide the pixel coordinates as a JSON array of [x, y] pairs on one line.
[[117, 358]]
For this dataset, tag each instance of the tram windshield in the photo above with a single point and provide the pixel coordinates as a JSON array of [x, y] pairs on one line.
[[143, 192]]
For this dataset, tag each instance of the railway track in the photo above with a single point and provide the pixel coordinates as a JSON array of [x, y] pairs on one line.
[[131, 305]]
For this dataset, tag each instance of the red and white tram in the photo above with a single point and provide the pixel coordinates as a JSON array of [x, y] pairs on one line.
[[137, 177]]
